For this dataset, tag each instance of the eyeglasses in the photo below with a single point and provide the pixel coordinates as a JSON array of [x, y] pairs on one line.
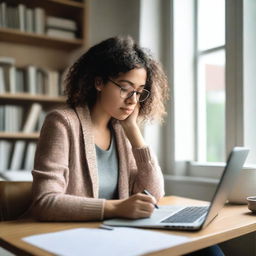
[[127, 92]]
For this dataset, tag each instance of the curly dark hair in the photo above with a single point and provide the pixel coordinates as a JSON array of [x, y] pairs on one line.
[[108, 59]]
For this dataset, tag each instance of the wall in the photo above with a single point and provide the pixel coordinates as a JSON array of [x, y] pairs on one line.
[[151, 37], [113, 17], [192, 187]]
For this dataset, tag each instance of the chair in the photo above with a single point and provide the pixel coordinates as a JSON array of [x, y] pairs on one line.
[[15, 198]]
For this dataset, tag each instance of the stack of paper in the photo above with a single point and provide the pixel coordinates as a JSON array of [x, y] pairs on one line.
[[98, 242]]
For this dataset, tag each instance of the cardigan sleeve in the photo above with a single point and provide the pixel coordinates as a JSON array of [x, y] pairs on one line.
[[51, 177], [146, 173]]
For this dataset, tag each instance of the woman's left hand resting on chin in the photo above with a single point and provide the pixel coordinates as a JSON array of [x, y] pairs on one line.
[[131, 120], [132, 130], [136, 206]]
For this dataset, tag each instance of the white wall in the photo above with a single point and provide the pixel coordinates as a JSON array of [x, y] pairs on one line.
[[151, 37], [112, 17], [196, 188]]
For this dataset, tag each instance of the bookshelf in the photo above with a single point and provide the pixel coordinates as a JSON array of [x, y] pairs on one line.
[[26, 97], [11, 35], [50, 52], [19, 135]]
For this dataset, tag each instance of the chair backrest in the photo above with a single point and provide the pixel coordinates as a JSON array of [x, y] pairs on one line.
[[15, 198]]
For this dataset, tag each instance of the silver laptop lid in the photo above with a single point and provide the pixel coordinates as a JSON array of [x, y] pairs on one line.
[[231, 172]]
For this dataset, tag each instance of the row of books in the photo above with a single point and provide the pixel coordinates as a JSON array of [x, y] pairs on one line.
[[35, 20], [19, 154], [15, 118], [29, 79], [62, 28]]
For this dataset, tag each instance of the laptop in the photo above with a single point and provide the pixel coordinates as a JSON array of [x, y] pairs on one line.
[[192, 217]]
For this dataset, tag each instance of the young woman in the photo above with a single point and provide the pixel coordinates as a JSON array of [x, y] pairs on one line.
[[91, 161]]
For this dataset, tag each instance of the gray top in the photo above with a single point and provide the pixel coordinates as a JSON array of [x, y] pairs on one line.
[[107, 162]]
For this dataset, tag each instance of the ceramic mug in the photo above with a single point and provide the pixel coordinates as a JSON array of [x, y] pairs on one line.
[[252, 203]]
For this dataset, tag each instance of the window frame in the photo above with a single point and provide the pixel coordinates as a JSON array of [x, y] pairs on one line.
[[200, 132], [234, 98]]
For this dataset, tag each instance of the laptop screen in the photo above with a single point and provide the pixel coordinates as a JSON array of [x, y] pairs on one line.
[[231, 172]]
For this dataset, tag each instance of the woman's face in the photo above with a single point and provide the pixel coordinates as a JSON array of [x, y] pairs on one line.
[[110, 100]]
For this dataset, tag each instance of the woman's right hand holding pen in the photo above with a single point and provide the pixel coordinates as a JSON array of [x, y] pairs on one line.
[[136, 206]]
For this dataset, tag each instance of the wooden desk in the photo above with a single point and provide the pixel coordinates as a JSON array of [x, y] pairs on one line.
[[233, 221]]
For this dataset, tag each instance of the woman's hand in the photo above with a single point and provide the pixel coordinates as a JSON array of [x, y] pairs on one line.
[[131, 120], [132, 129], [136, 206]]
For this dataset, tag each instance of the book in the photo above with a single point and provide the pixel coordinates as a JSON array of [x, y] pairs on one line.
[[17, 155], [20, 80], [8, 74], [60, 33], [12, 118], [2, 81], [19, 146], [14, 175], [12, 79], [2, 124], [5, 153], [7, 118], [9, 17], [3, 10], [17, 117], [29, 24], [7, 60], [39, 20], [63, 75], [21, 16], [29, 156], [41, 81], [32, 118], [41, 119], [12, 17], [31, 79], [61, 23], [53, 83]]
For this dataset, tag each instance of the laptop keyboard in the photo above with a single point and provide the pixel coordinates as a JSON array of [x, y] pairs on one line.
[[186, 215]]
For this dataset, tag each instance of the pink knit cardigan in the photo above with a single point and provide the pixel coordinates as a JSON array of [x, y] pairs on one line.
[[65, 176]]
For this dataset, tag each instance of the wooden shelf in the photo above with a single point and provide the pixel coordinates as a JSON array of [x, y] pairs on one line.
[[63, 8], [68, 3], [23, 97], [19, 135], [49, 3], [18, 37]]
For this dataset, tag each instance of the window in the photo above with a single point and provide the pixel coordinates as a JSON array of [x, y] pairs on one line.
[[199, 80], [210, 80], [213, 84]]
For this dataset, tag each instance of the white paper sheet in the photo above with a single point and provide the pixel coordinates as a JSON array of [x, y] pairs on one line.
[[98, 242]]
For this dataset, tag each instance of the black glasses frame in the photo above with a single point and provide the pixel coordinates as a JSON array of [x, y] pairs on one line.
[[138, 94]]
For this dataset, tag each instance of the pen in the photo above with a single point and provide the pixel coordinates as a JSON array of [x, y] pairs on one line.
[[147, 193], [102, 226]]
